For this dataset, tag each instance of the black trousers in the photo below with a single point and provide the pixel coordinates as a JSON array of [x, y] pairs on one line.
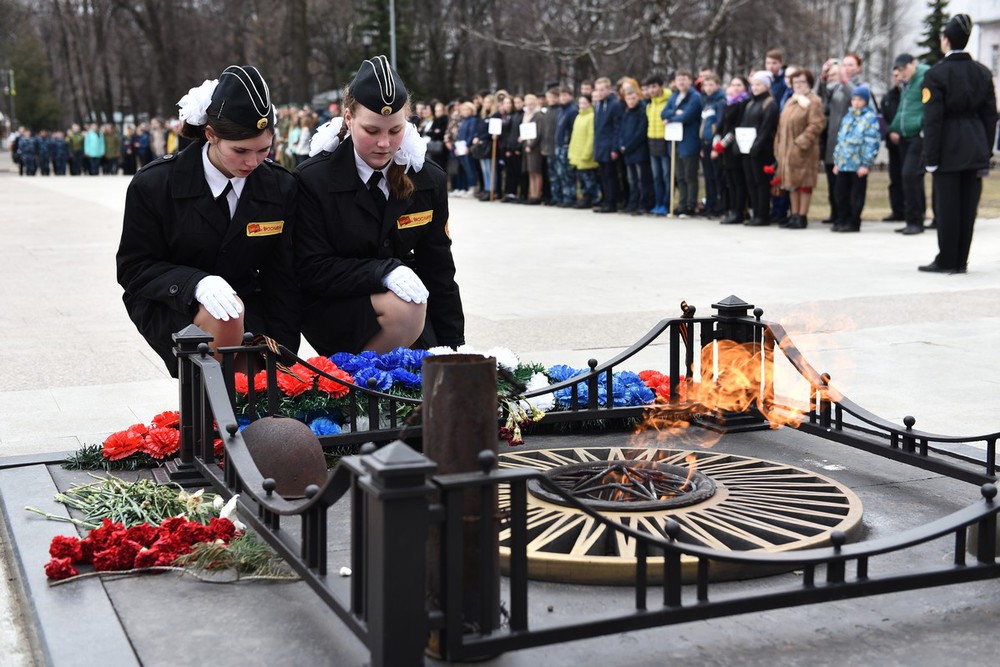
[[851, 190], [687, 183], [512, 174], [736, 186], [831, 189], [956, 201], [912, 173], [609, 184], [758, 187], [895, 179]]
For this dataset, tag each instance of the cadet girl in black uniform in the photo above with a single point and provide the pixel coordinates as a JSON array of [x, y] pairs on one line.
[[372, 248], [960, 118], [207, 232]]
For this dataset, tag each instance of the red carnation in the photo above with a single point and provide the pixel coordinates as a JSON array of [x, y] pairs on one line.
[[218, 447], [769, 169], [192, 533], [298, 381], [169, 419], [241, 384], [260, 381], [60, 568], [170, 546], [117, 558], [66, 547], [171, 525], [146, 558], [142, 534], [222, 529], [108, 534], [121, 444], [161, 442], [775, 181], [335, 389], [87, 549]]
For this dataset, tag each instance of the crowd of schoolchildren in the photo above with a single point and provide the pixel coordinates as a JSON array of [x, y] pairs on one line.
[[752, 146]]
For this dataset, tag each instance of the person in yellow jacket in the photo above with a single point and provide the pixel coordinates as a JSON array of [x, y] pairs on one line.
[[581, 153], [658, 96]]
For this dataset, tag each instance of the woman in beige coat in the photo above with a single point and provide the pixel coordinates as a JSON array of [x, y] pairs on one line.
[[796, 146]]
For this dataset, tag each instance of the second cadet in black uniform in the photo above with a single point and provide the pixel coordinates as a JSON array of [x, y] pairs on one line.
[[207, 232], [372, 247], [960, 117]]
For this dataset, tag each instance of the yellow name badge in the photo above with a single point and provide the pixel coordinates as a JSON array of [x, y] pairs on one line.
[[265, 228], [414, 219]]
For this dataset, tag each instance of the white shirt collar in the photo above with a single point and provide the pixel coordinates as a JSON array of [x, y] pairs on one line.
[[216, 179], [954, 51], [365, 172]]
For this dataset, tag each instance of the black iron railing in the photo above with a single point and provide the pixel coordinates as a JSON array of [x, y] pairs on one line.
[[395, 502]]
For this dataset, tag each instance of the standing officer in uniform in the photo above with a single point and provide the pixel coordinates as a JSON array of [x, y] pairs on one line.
[[372, 247], [207, 232], [960, 118]]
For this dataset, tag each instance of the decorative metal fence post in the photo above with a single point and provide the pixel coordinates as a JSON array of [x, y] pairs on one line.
[[188, 342], [459, 422], [396, 515], [733, 323]]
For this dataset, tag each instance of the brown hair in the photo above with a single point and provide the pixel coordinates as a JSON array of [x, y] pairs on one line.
[[776, 54], [224, 129], [807, 73], [399, 183]]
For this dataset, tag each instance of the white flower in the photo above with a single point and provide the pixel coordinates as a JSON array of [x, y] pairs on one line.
[[504, 356], [229, 512], [217, 503], [544, 402], [193, 107], [345, 571]]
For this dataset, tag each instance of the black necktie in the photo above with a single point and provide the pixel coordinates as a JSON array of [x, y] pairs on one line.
[[223, 200], [377, 195]]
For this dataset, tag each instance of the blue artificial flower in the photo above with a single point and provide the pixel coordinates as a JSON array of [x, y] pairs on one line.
[[349, 363], [242, 421], [342, 358], [405, 378], [413, 359], [561, 372], [324, 426], [383, 380], [391, 360]]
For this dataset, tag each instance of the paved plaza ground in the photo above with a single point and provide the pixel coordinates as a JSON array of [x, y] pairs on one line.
[[554, 285]]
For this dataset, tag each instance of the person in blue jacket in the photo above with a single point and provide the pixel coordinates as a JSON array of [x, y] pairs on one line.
[[711, 118], [685, 108], [607, 121], [633, 146]]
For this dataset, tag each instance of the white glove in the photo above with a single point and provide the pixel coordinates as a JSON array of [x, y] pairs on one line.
[[218, 297], [405, 284]]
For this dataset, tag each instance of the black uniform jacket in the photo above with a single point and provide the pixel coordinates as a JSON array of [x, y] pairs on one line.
[[175, 233], [960, 114], [343, 249]]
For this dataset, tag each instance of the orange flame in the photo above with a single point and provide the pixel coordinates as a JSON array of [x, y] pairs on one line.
[[735, 378]]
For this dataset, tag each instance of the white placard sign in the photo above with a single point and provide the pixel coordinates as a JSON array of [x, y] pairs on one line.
[[673, 132], [461, 148], [529, 131], [745, 136], [496, 126]]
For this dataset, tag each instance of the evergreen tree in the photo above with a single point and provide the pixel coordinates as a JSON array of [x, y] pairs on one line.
[[37, 104], [934, 24]]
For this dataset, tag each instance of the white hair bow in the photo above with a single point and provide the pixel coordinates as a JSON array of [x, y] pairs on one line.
[[194, 105]]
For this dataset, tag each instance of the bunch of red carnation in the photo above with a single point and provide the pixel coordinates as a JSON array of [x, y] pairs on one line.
[[660, 384], [113, 547], [161, 439]]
